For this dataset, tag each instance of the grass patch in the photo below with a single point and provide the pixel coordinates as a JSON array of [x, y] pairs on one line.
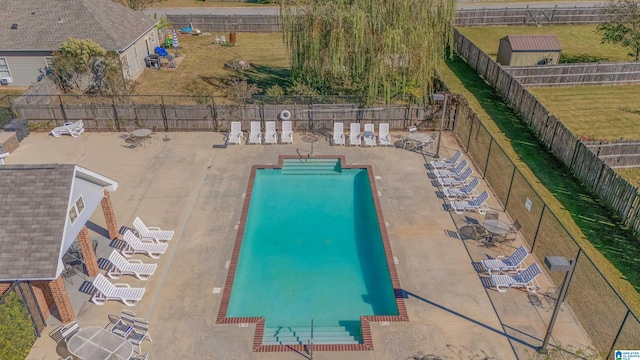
[[580, 43], [632, 175], [588, 221], [204, 60], [595, 112]]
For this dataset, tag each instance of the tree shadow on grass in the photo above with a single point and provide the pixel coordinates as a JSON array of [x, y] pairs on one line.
[[263, 76], [600, 226]]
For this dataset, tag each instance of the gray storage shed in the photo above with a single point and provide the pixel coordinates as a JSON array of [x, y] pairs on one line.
[[529, 50]]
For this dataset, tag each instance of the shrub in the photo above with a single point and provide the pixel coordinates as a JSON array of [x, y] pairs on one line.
[[16, 329]]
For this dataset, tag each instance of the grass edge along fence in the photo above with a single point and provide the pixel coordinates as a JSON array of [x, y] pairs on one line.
[[21, 321], [606, 317], [618, 194]]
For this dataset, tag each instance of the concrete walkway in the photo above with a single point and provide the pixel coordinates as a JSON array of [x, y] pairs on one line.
[[191, 184]]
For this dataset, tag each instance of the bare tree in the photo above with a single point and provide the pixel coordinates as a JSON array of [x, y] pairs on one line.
[[240, 91]]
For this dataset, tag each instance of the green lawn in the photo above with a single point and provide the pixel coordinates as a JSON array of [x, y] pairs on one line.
[[595, 112], [580, 43]]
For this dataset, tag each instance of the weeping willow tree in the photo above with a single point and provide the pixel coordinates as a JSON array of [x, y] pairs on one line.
[[379, 49]]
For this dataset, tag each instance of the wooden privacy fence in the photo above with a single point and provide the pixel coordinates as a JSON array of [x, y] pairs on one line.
[[464, 17], [616, 192], [531, 16], [576, 74], [227, 23], [112, 116]]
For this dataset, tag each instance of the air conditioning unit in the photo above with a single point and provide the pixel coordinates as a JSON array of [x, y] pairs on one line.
[[5, 81]]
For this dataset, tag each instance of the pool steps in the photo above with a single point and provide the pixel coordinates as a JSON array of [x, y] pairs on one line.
[[311, 166], [321, 335]]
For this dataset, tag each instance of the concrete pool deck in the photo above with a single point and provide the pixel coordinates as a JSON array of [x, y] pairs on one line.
[[196, 187]]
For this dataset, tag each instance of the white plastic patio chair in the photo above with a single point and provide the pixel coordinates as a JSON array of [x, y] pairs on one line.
[[384, 138], [452, 172], [478, 204], [447, 163], [255, 136], [105, 290], [502, 263], [525, 280], [338, 133], [466, 192], [369, 135], [139, 334], [135, 267], [270, 134], [68, 330], [235, 135], [137, 246], [124, 326], [355, 138], [151, 232], [287, 133], [456, 181]]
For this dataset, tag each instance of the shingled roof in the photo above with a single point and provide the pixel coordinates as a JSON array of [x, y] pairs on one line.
[[34, 201], [534, 43], [46, 24]]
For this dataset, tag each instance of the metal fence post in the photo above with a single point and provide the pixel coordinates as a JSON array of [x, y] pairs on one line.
[[535, 237], [513, 176], [214, 114], [163, 111], [115, 113], [486, 163], [24, 302], [615, 339], [64, 113], [470, 132]]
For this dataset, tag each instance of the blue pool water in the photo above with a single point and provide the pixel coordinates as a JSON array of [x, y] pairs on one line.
[[311, 250]]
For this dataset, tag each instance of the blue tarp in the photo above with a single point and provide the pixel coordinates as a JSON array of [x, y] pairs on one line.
[[161, 51]]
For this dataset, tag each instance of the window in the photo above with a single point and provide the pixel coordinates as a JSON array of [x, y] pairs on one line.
[[76, 209], [4, 68]]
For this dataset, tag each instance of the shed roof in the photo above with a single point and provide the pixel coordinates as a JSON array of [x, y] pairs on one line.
[[46, 24], [534, 42], [33, 208]]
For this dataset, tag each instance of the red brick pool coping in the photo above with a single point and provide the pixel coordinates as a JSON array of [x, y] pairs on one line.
[[367, 342]]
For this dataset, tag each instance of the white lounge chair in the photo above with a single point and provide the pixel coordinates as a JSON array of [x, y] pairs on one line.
[[338, 133], [369, 135], [478, 204], [105, 290], [255, 136], [467, 192], [384, 137], [525, 280], [452, 172], [151, 232], [355, 138], [235, 135], [447, 163], [270, 134], [287, 133], [122, 266], [137, 246], [71, 128], [502, 263], [456, 181], [68, 330]]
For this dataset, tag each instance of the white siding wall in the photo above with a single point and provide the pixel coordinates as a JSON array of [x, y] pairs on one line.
[[92, 194], [25, 66], [139, 48]]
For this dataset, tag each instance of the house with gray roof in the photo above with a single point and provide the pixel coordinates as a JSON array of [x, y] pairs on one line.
[[31, 30], [45, 210]]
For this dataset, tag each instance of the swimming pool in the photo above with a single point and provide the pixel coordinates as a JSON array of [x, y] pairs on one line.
[[312, 249]]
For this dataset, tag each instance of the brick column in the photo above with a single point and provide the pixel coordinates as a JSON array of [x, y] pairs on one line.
[[4, 286], [90, 259], [109, 216], [61, 299]]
